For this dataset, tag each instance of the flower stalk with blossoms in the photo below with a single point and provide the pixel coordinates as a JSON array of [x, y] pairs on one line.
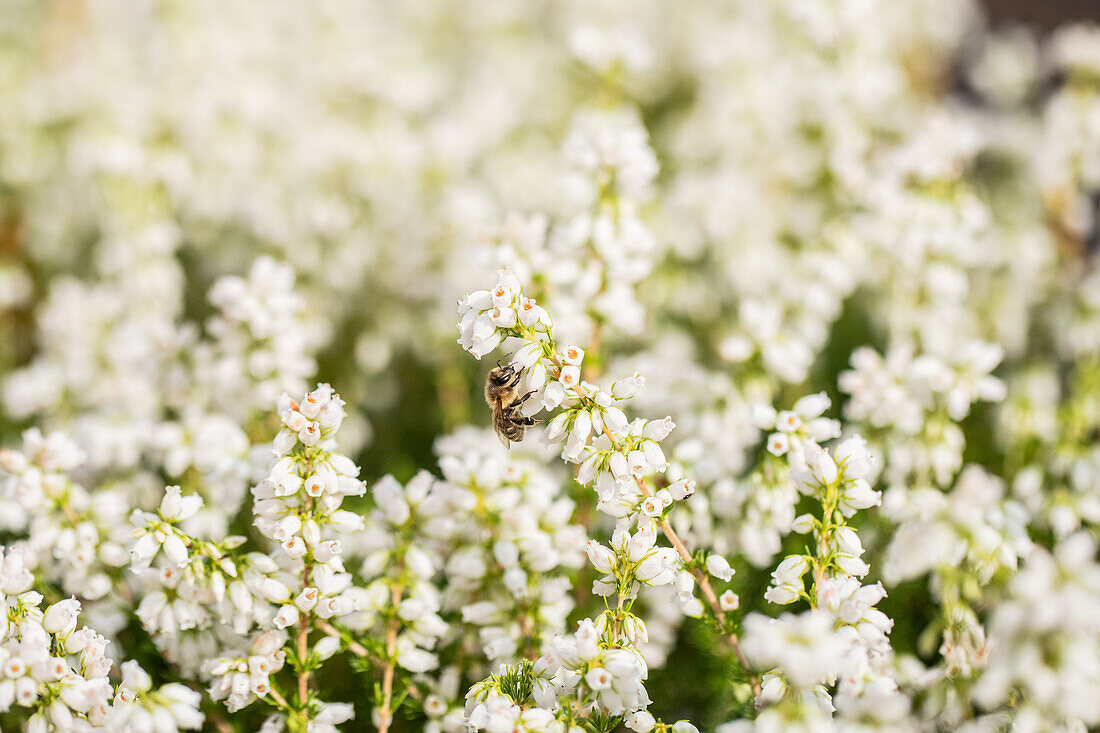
[[614, 454], [837, 482], [909, 404], [274, 601], [514, 547], [842, 639], [612, 168], [586, 681], [397, 612], [75, 538]]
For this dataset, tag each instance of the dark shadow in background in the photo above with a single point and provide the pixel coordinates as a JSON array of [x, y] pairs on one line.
[[1041, 15]]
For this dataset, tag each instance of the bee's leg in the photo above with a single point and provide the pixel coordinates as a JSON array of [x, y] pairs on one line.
[[524, 398], [514, 416]]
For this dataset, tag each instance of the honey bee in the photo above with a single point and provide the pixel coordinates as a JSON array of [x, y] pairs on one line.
[[502, 394]]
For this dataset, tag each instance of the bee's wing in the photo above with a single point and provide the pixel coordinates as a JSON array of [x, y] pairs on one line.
[[498, 410]]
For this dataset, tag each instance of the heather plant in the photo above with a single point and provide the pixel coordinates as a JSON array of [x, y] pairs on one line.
[[798, 305]]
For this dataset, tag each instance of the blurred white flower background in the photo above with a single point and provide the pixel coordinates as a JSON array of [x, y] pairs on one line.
[[799, 302]]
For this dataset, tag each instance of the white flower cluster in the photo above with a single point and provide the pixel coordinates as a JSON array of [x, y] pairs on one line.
[[589, 265], [59, 673], [914, 403], [576, 667], [759, 509], [74, 538], [963, 538], [1049, 432], [1046, 639], [239, 680], [260, 333], [577, 677], [400, 602], [842, 640], [511, 582], [175, 404]]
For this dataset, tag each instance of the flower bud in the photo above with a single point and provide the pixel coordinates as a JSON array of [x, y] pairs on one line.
[[284, 442], [847, 541], [782, 594], [311, 532], [791, 569], [327, 647], [618, 465], [175, 550], [614, 421], [803, 524], [171, 504], [578, 436], [331, 415], [642, 541], [344, 521], [821, 465], [658, 430], [37, 723], [624, 389], [274, 590], [852, 453], [553, 395], [556, 429], [134, 677], [60, 618], [527, 356], [587, 471], [812, 405], [587, 639], [852, 565], [601, 557], [654, 456], [719, 567]]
